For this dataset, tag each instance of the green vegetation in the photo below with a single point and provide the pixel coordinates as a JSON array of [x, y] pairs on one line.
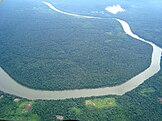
[[101, 103], [146, 91], [143, 103], [84, 54], [76, 111], [50, 51], [24, 107], [20, 110], [148, 19]]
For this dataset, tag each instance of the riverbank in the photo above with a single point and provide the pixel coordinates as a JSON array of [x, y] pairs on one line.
[[9, 85]]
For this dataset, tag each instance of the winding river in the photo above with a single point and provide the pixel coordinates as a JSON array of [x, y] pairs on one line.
[[70, 14], [8, 85]]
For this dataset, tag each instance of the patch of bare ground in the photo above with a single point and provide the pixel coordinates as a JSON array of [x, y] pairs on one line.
[[59, 117], [2, 96], [28, 107], [16, 100], [89, 102], [160, 99]]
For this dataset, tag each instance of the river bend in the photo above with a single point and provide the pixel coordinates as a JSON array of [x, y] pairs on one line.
[[9, 85]]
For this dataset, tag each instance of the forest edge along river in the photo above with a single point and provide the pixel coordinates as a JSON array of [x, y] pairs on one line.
[[9, 85]]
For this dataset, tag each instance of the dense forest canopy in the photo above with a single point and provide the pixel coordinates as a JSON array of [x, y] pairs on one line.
[[43, 49]]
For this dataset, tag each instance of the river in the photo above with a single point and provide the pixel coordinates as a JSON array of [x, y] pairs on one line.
[[9, 85]]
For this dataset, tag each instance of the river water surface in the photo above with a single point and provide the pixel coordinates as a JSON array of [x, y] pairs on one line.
[[9, 85]]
